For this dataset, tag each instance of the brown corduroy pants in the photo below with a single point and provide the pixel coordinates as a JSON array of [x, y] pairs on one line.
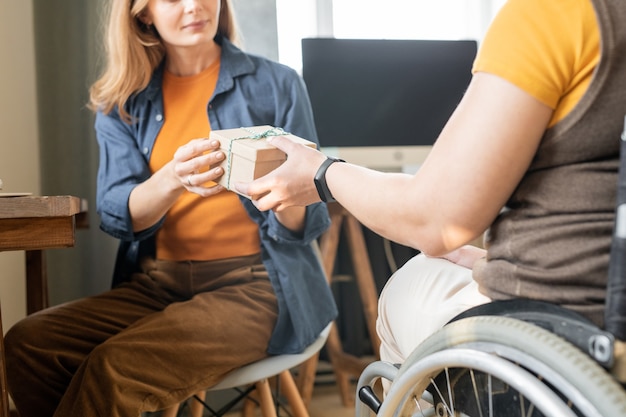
[[148, 344]]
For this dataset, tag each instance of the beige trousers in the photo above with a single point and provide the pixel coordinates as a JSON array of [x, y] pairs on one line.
[[418, 300], [146, 345]]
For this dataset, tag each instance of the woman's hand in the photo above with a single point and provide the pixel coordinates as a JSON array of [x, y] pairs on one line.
[[194, 166], [291, 184], [190, 169]]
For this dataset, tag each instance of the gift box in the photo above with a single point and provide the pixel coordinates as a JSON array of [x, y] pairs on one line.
[[248, 155]]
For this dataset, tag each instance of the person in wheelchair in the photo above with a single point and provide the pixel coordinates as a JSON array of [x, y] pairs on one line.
[[529, 160]]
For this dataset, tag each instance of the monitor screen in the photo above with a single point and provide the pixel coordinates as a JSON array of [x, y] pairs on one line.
[[391, 97]]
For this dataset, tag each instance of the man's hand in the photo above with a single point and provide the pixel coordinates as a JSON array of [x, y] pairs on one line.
[[291, 184], [465, 256]]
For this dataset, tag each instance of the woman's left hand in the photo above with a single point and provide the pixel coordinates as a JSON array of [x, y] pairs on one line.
[[196, 166]]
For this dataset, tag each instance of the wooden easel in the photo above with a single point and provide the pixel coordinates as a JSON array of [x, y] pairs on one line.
[[344, 365]]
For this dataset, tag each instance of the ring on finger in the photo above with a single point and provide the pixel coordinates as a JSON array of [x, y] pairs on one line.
[[189, 180]]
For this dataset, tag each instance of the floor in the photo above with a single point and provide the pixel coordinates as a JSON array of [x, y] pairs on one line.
[[326, 401]]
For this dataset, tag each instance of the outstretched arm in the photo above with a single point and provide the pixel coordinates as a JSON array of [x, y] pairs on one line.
[[476, 163]]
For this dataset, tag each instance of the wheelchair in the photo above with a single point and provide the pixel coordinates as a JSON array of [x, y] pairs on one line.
[[516, 358], [515, 363]]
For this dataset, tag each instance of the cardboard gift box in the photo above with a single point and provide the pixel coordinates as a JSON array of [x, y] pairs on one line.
[[248, 155]]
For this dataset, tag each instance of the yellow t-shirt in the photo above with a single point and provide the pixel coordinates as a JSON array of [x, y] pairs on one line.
[[551, 55], [197, 228]]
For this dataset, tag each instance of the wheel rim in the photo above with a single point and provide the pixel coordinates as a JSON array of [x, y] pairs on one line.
[[422, 375]]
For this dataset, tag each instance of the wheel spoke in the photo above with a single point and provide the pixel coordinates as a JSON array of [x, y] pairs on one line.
[[418, 405], [434, 384], [478, 404], [490, 392], [450, 399]]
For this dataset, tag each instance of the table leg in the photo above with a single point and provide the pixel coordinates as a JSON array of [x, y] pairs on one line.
[[4, 396], [36, 281], [36, 299]]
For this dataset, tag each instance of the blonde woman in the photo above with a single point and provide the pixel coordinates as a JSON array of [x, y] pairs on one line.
[[204, 282]]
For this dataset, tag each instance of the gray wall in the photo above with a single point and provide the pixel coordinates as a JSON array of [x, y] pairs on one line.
[[257, 23], [66, 53]]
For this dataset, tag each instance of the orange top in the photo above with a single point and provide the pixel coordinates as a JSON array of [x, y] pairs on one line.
[[197, 228], [518, 51]]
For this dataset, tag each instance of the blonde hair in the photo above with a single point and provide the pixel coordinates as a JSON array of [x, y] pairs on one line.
[[133, 50]]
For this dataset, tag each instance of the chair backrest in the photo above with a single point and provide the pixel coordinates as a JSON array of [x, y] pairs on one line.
[[615, 311]]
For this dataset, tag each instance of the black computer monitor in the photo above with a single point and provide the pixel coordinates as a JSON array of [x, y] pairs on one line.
[[382, 103]]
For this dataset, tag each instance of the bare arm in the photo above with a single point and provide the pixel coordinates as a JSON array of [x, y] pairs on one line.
[[476, 163]]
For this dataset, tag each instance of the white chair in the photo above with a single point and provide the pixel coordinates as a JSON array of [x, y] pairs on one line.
[[257, 374]]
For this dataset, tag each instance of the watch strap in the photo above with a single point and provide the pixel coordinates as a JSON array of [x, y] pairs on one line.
[[320, 179]]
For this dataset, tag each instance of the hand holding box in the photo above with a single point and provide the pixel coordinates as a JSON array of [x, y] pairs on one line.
[[248, 155]]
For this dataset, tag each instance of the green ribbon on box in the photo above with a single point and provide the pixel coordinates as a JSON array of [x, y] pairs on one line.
[[274, 131]]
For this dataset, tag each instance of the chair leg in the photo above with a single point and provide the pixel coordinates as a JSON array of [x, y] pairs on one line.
[[306, 378], [248, 409], [266, 400], [343, 366], [170, 412], [196, 408], [290, 390]]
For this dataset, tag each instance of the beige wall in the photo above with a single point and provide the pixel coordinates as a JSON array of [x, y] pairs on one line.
[[19, 151]]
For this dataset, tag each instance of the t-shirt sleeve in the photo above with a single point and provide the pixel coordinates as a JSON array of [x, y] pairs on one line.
[[539, 45]]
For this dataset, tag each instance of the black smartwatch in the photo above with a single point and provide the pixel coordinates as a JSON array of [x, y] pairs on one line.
[[320, 179]]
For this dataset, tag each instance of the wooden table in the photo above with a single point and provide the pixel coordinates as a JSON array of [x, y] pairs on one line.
[[33, 224]]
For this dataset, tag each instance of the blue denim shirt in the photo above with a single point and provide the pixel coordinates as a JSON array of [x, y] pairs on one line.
[[250, 91]]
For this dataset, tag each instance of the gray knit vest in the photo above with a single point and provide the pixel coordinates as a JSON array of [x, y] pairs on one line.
[[551, 242]]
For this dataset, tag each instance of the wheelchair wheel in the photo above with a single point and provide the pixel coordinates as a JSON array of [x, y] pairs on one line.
[[498, 366]]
